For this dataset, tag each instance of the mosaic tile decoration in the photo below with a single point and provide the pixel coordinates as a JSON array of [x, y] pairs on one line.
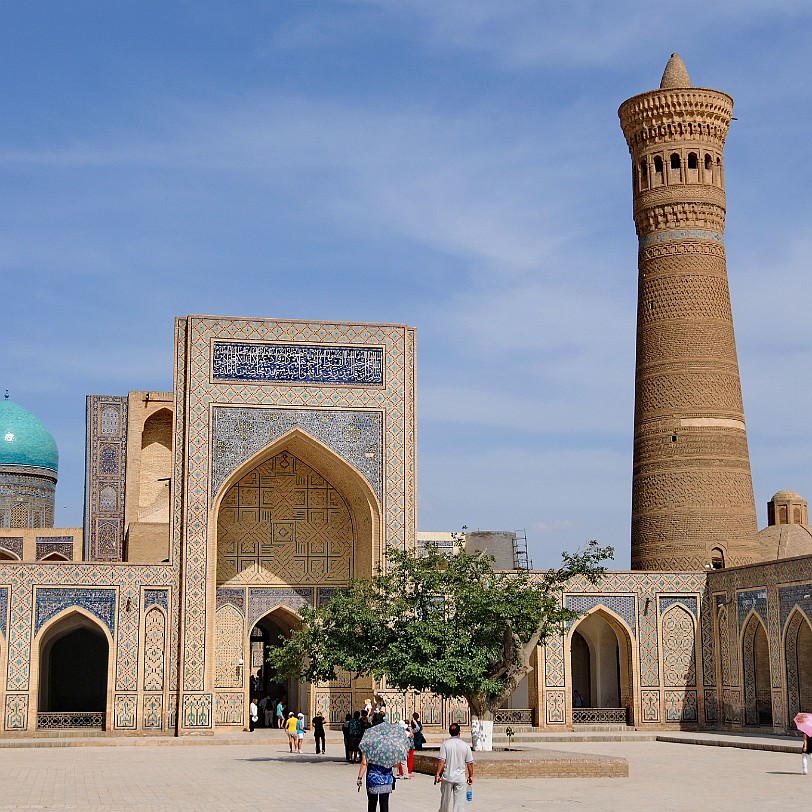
[[239, 433], [62, 545], [262, 600], [711, 707], [681, 706], [555, 712], [196, 392], [3, 611], [51, 601], [105, 468], [650, 704], [297, 363], [156, 597], [125, 708], [708, 645], [754, 599], [284, 523], [153, 712], [236, 597], [679, 647], [688, 601], [66, 581], [621, 605], [648, 644], [14, 544], [799, 595], [16, 712]]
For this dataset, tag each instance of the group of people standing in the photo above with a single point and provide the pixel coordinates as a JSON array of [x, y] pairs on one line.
[[355, 724]]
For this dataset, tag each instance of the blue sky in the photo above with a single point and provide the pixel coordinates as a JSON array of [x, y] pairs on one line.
[[456, 165]]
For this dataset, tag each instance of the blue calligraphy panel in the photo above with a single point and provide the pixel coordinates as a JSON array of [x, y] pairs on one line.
[[297, 363]]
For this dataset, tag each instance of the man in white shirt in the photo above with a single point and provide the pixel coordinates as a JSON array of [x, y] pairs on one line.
[[455, 769]]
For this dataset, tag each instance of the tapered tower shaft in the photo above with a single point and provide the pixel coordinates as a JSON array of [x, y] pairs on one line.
[[692, 492]]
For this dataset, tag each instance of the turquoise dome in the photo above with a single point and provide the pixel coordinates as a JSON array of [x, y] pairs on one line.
[[24, 441]]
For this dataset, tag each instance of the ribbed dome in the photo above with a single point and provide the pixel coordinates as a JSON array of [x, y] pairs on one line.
[[24, 441]]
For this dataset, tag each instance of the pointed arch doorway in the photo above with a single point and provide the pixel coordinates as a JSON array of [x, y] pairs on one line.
[[74, 665], [296, 521], [600, 668]]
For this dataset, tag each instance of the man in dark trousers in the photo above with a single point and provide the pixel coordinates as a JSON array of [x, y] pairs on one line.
[[318, 732]]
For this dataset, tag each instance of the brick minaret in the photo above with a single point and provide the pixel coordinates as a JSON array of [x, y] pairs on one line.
[[692, 493]]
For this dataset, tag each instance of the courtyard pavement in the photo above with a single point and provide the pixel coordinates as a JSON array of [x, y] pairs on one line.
[[264, 776]]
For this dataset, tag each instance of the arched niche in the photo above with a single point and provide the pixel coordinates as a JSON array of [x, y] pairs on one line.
[[798, 658], [602, 664], [295, 514], [755, 650], [156, 468], [75, 669]]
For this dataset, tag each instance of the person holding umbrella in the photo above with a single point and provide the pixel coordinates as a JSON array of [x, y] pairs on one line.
[[382, 747]]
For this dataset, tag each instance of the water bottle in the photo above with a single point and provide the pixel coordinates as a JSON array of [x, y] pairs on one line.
[[469, 796]]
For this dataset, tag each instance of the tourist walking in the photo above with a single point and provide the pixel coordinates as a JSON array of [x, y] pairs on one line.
[[455, 770], [405, 767], [253, 715], [280, 714], [318, 733], [300, 731], [290, 729], [806, 749], [379, 784]]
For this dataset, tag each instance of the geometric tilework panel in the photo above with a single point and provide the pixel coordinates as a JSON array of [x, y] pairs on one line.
[[230, 709], [679, 648], [196, 710], [13, 545], [622, 605], [125, 709], [228, 648], [680, 706], [3, 610], [284, 523], [790, 596], [156, 597], [650, 702], [105, 467], [688, 601], [262, 600], [711, 707], [240, 433], [154, 650], [555, 708], [153, 712], [649, 657], [236, 597], [62, 546], [99, 602], [708, 649], [554, 661], [793, 666], [16, 712], [127, 643], [334, 705], [754, 599]]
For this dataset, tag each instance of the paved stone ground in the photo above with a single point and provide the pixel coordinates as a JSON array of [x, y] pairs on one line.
[[264, 776]]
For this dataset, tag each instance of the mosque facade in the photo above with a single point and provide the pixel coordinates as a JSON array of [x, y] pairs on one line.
[[283, 463]]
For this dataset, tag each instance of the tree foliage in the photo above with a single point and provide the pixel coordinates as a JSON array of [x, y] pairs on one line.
[[433, 621]]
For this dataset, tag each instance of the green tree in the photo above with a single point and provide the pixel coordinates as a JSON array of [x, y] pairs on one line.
[[438, 622]]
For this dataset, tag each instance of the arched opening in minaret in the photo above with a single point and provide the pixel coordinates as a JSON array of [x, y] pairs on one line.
[[658, 170], [717, 558], [798, 657], [756, 666], [644, 175], [693, 167], [675, 166], [600, 667]]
